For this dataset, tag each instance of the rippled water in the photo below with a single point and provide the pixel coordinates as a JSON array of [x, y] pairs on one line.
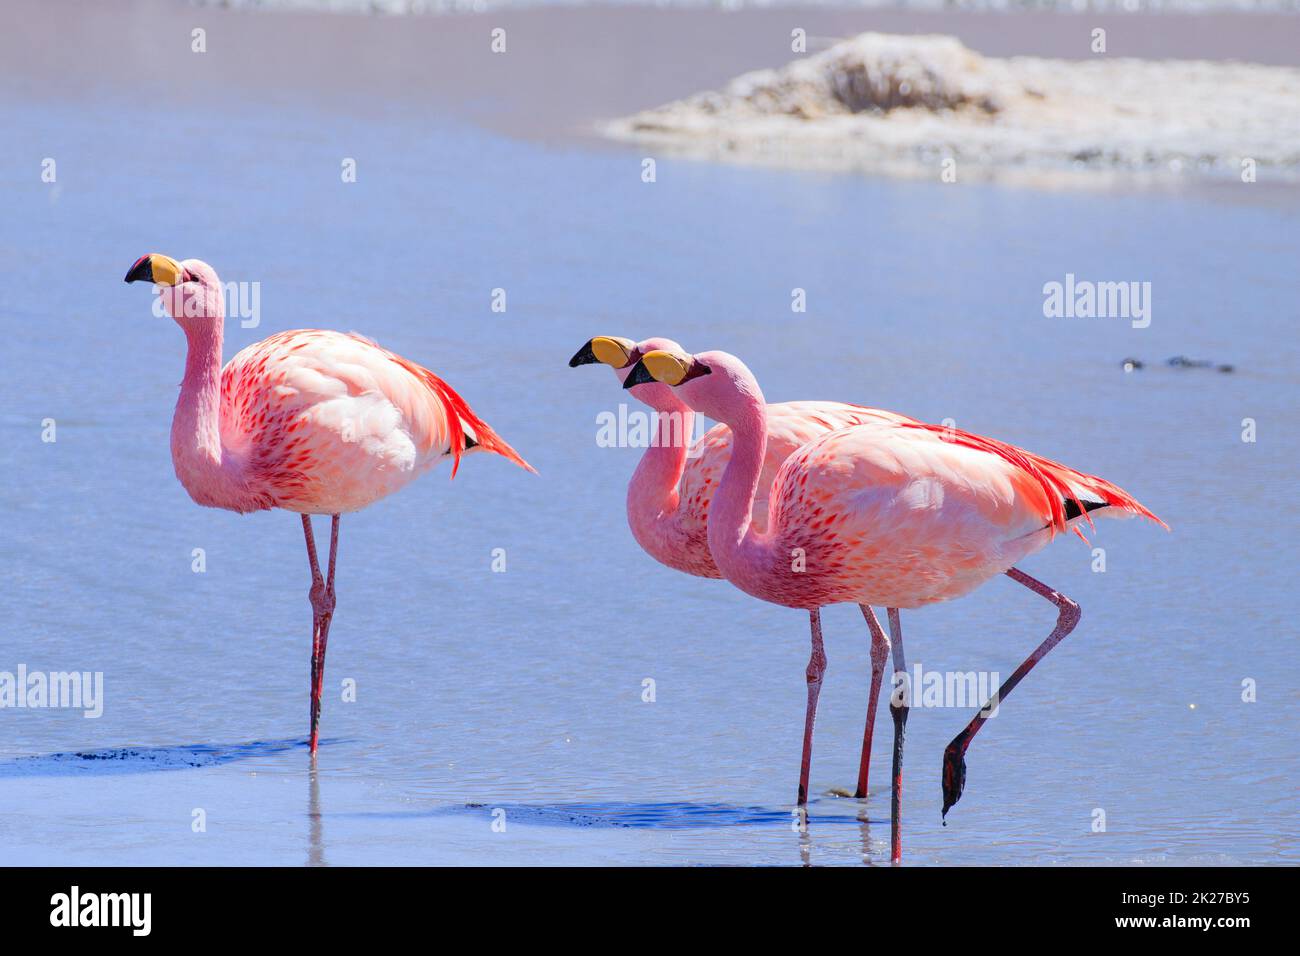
[[521, 692]]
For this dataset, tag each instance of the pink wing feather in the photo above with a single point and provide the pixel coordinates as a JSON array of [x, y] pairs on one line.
[[1057, 483], [459, 415], [322, 422]]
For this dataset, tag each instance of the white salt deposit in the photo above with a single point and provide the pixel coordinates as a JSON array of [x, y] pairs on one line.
[[915, 105]]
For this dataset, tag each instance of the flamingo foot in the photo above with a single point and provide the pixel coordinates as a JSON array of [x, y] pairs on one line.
[[954, 771]]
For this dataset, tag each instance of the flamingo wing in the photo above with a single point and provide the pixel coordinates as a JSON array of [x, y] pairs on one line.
[[907, 514], [325, 422], [1070, 494]]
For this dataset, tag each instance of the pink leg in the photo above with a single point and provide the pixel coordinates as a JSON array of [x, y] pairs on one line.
[[954, 757], [322, 610], [899, 701], [879, 653], [816, 668]]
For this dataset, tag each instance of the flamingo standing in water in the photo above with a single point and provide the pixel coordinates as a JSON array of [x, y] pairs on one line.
[[898, 514], [668, 496], [312, 421]]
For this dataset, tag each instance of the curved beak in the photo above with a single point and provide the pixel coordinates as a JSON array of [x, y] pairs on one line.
[[607, 349], [640, 375], [156, 268]]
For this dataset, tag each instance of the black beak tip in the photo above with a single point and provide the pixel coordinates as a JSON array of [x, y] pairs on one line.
[[584, 356], [141, 270], [640, 375]]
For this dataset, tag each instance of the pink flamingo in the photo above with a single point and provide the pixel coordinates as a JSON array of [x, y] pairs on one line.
[[669, 494], [897, 514], [312, 421]]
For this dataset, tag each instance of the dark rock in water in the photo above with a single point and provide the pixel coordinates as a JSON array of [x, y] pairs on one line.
[[1182, 361], [1178, 361]]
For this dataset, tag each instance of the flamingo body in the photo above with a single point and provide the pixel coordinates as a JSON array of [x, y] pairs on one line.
[[889, 511], [323, 422], [898, 514]]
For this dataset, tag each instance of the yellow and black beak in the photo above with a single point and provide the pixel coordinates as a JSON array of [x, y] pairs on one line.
[[611, 350], [666, 367], [158, 269]]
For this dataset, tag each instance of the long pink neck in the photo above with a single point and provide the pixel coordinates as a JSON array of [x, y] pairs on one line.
[[196, 426], [740, 552], [652, 495]]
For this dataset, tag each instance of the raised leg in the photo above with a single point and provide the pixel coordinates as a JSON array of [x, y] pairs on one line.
[[816, 668], [879, 653], [954, 757], [899, 702], [322, 611]]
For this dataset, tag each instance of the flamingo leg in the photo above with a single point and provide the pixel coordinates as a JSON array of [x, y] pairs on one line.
[[879, 653], [816, 668], [954, 756], [322, 610], [898, 707]]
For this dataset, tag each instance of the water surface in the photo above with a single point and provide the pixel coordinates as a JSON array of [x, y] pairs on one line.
[[522, 691]]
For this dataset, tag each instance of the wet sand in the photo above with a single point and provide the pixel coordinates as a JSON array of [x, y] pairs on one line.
[[564, 71]]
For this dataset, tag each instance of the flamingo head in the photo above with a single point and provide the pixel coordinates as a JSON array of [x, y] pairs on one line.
[[190, 291], [715, 384], [621, 355]]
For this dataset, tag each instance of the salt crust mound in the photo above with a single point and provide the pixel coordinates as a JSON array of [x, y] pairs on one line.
[[871, 72], [905, 104]]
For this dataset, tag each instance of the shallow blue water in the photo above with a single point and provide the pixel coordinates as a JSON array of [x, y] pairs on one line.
[[521, 691]]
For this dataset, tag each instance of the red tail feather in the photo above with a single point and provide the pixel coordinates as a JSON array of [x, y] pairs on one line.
[[459, 414], [1059, 482]]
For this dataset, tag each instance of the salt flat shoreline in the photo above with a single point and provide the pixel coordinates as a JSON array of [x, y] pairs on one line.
[[566, 72]]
